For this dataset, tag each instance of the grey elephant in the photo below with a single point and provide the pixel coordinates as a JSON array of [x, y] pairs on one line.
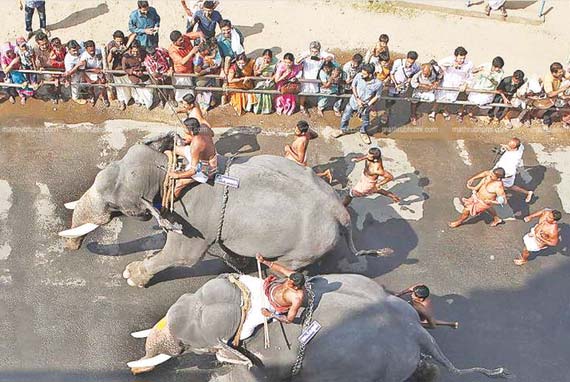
[[366, 335], [279, 209]]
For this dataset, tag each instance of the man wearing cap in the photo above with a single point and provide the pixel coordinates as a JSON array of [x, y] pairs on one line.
[[419, 300]]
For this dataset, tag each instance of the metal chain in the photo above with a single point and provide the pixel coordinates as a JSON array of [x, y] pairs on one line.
[[225, 257], [307, 319]]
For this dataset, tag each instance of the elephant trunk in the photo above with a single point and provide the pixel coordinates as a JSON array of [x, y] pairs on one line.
[[89, 209]]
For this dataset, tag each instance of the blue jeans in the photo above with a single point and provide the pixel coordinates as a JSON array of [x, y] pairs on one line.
[[347, 114], [30, 13]]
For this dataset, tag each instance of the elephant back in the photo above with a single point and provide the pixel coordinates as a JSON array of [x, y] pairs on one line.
[[213, 312]]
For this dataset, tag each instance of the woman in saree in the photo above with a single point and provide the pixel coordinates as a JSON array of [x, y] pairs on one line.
[[286, 81], [10, 65], [264, 67], [240, 77]]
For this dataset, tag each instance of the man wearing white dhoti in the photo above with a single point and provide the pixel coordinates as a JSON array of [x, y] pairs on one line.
[[457, 72]]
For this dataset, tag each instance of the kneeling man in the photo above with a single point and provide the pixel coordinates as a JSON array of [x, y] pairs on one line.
[[273, 297], [200, 154], [542, 235]]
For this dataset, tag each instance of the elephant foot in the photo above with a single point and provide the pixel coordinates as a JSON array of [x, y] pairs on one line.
[[72, 244], [136, 274]]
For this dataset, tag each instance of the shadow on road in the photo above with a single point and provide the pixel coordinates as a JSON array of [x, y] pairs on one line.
[[79, 17]]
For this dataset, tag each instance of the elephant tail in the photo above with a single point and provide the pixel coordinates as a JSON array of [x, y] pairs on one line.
[[365, 252], [430, 348]]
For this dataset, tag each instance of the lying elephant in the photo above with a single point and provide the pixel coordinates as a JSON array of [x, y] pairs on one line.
[[366, 335], [280, 209]]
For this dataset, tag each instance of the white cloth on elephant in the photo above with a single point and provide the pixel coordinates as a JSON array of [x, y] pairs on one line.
[[510, 161], [259, 300], [496, 4], [530, 242]]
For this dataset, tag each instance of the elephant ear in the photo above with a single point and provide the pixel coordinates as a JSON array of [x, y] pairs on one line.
[[213, 312], [161, 142]]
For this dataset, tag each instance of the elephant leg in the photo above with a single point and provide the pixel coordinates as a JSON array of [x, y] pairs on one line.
[[239, 374], [179, 250], [91, 208]]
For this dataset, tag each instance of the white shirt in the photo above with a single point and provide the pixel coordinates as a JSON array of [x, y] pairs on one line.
[[402, 73], [92, 62], [510, 161], [71, 61]]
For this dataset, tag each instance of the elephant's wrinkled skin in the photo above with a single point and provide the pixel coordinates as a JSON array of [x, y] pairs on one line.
[[366, 335], [280, 209]]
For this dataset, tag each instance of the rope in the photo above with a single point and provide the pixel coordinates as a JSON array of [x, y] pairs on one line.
[[307, 320], [246, 304], [225, 258]]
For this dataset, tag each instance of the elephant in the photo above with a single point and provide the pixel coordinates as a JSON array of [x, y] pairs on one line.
[[366, 335], [280, 209]]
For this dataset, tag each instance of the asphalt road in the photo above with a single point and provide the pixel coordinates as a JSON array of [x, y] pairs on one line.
[[66, 316]]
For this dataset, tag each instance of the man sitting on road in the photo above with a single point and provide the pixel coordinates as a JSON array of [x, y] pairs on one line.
[[297, 151], [419, 300], [368, 183], [200, 154], [542, 235], [486, 193], [510, 161]]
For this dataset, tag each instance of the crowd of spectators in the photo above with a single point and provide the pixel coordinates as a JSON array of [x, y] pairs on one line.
[[201, 57]]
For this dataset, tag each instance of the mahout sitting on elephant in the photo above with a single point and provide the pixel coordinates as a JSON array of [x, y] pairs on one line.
[[279, 209], [366, 335]]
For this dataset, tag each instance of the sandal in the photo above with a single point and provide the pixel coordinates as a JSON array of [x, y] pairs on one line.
[[460, 117], [446, 116], [12, 100], [23, 101], [414, 121], [431, 116], [473, 119]]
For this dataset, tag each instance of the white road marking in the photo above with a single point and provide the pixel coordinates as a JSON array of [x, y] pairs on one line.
[[47, 224], [6, 201], [557, 158], [405, 185], [68, 282], [463, 154]]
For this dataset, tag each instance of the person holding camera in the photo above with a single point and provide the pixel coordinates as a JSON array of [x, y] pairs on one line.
[[145, 21], [510, 160]]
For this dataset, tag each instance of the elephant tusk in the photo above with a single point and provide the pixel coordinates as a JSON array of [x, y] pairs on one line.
[[71, 205], [141, 334], [76, 232], [149, 362]]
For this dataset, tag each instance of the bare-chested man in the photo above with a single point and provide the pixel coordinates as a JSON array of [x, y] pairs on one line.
[[542, 235], [285, 295], [297, 151], [419, 300], [200, 154], [192, 109], [369, 182], [488, 192]]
